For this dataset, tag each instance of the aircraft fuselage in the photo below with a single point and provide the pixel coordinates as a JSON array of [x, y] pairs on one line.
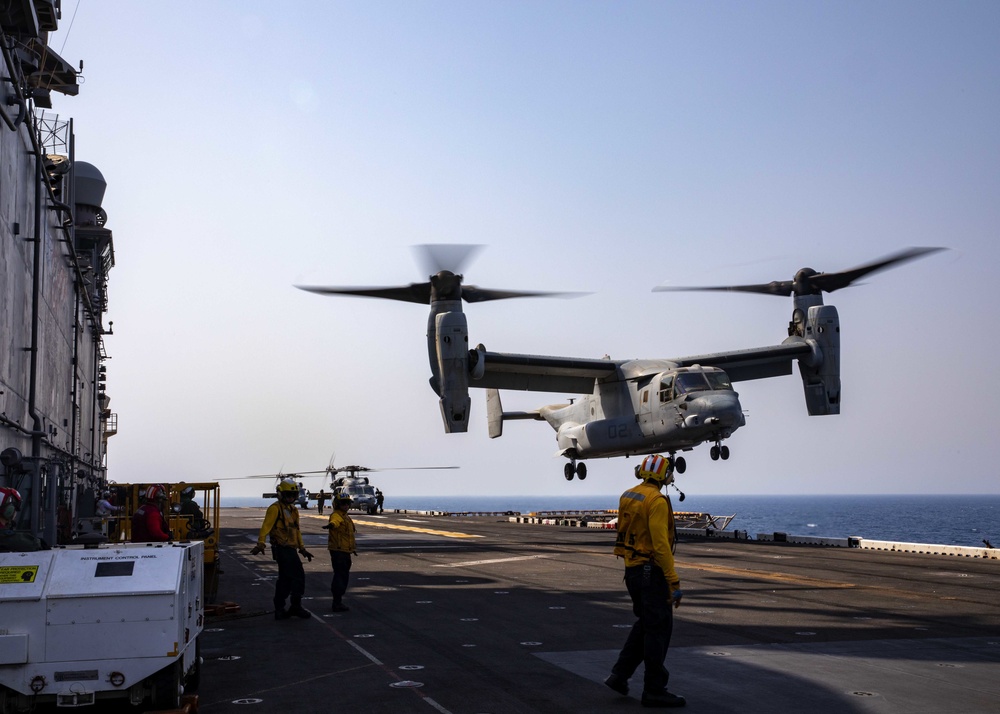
[[673, 411]]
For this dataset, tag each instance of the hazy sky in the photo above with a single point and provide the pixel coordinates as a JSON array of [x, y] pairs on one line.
[[592, 146]]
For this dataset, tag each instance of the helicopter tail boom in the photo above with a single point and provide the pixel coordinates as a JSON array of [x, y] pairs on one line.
[[496, 416]]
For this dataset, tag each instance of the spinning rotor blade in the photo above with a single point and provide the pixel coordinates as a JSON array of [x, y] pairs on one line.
[[443, 264], [828, 282], [471, 293], [243, 478], [808, 282], [414, 292], [278, 475], [335, 470], [418, 468], [437, 257]]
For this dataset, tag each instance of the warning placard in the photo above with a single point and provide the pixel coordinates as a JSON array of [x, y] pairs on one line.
[[10, 574]]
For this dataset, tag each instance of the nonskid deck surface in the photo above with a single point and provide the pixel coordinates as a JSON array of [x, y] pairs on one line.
[[477, 614]]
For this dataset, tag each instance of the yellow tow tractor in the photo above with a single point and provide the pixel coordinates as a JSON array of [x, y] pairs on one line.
[[192, 514]]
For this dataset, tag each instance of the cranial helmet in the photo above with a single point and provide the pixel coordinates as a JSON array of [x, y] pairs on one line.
[[10, 503], [656, 468], [288, 490], [342, 497], [188, 493], [155, 492]]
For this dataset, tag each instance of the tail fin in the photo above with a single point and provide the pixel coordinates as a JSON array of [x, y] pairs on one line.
[[494, 413]]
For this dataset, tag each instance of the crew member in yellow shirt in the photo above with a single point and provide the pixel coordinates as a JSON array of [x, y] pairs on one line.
[[342, 546], [646, 540], [281, 523]]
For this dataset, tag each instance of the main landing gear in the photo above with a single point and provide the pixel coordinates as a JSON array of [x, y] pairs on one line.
[[719, 452], [579, 469]]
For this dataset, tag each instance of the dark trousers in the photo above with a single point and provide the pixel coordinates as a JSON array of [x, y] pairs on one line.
[[341, 574], [291, 576], [650, 635]]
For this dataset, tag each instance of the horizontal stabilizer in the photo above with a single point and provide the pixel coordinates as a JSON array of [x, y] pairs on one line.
[[496, 416]]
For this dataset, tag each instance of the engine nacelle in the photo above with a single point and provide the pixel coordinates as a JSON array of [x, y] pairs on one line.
[[451, 334], [821, 375]]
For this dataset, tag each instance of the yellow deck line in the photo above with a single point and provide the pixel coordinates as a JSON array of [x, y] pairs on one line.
[[393, 526], [765, 575], [414, 529]]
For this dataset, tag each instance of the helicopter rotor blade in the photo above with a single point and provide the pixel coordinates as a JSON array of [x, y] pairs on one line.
[[472, 293], [451, 257], [243, 478], [809, 282], [828, 282], [777, 287], [417, 468], [443, 264], [279, 475], [419, 293], [357, 469]]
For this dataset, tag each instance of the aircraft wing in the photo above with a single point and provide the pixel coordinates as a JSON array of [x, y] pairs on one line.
[[576, 375], [538, 373], [755, 363]]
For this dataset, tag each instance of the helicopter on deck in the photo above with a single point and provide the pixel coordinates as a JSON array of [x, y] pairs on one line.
[[343, 479], [364, 495]]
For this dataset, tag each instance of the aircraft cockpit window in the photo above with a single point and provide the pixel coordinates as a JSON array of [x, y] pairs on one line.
[[718, 380], [690, 382], [667, 389]]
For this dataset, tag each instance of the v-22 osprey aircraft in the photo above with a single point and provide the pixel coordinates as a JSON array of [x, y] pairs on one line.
[[628, 407]]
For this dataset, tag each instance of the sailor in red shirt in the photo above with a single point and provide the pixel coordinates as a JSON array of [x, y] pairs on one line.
[[148, 523]]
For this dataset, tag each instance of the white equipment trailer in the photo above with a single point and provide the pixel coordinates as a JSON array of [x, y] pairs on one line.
[[85, 624]]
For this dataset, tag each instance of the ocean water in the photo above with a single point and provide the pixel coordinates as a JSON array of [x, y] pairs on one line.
[[943, 520]]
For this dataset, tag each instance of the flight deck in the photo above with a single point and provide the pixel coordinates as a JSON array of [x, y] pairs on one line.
[[479, 614]]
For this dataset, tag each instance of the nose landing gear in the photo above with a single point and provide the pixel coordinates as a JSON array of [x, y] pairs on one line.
[[579, 469]]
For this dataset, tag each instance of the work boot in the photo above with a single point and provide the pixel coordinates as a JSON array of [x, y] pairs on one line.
[[281, 614], [662, 699], [340, 607], [618, 683], [299, 611]]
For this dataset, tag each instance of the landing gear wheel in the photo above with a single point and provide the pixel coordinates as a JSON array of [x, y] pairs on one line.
[[568, 471], [581, 471], [714, 453], [724, 452], [680, 465]]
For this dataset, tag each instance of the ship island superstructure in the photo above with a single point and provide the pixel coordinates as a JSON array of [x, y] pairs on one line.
[[56, 253]]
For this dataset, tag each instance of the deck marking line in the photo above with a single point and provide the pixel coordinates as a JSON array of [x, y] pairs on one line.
[[363, 651], [820, 583], [413, 529], [766, 575], [436, 705], [392, 674], [487, 562]]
